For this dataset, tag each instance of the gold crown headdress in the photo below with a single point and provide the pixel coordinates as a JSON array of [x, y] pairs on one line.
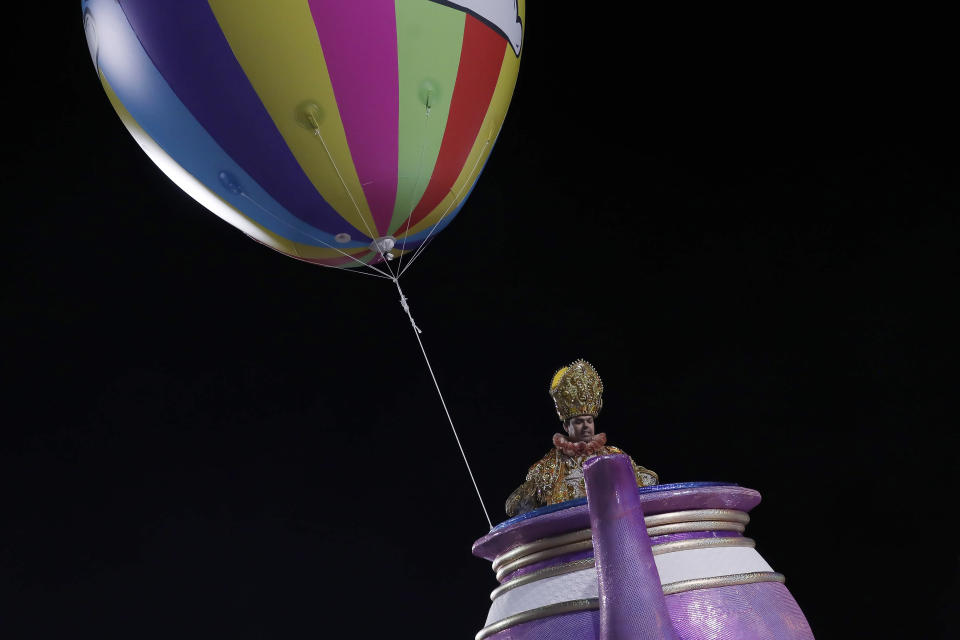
[[577, 390]]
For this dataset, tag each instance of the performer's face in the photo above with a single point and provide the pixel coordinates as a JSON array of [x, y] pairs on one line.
[[580, 428]]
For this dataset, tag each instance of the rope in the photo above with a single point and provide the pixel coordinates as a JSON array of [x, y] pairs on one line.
[[376, 243], [403, 299], [417, 332]]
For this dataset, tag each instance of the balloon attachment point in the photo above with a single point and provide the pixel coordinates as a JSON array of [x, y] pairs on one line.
[[230, 182], [427, 92], [342, 237], [383, 245], [309, 116]]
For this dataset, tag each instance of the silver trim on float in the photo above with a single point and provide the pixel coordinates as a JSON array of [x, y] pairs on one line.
[[722, 581], [703, 525], [570, 606], [589, 563], [701, 543], [695, 515], [538, 545], [657, 525], [510, 567], [689, 518], [540, 574]]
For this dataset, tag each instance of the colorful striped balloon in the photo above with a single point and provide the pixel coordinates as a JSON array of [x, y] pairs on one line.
[[322, 128]]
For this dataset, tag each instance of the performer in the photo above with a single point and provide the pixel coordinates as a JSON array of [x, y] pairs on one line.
[[577, 395]]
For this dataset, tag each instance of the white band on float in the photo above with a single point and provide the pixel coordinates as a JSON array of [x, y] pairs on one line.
[[679, 570], [578, 585], [694, 564]]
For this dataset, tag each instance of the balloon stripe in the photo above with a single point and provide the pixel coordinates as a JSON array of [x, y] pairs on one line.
[[480, 61], [414, 239], [265, 37], [150, 102], [482, 146], [429, 37], [185, 43], [359, 41], [438, 222], [202, 194]]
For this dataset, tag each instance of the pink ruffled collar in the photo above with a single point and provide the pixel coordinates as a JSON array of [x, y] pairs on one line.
[[575, 449]]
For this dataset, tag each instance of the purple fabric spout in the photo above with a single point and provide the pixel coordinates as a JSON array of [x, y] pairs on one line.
[[632, 606]]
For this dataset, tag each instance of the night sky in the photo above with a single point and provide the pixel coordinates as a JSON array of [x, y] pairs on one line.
[[746, 221]]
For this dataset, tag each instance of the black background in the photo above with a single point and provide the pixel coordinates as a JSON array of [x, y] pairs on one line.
[[746, 220]]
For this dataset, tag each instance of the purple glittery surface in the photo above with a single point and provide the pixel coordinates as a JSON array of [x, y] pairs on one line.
[[631, 599], [760, 611], [763, 611]]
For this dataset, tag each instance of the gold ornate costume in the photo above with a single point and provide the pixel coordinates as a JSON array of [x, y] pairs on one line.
[[558, 476]]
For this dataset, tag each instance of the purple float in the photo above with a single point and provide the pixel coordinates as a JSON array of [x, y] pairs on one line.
[[666, 562]]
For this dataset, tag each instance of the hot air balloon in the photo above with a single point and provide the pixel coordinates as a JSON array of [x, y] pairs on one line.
[[339, 132], [336, 132]]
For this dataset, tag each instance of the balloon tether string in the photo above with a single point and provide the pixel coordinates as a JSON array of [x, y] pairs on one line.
[[417, 332]]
